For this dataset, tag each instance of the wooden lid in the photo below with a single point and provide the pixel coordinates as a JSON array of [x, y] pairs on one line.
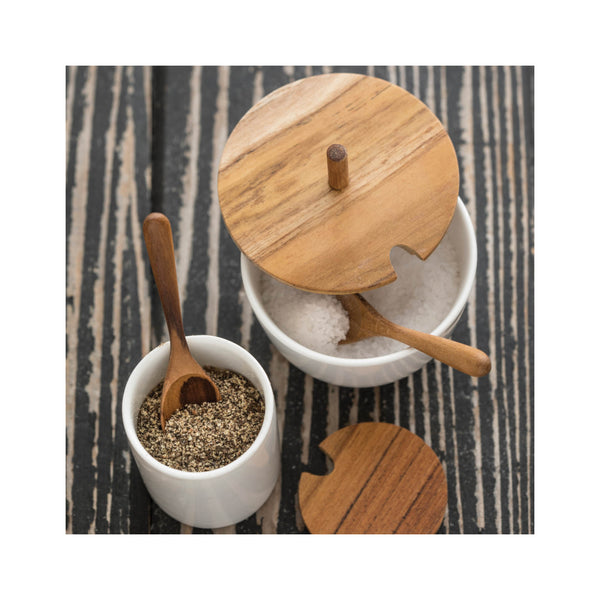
[[281, 211], [385, 480]]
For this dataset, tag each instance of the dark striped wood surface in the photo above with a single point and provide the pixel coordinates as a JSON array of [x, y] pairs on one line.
[[141, 139]]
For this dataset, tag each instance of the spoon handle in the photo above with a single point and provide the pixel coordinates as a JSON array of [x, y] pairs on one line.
[[159, 244], [461, 357]]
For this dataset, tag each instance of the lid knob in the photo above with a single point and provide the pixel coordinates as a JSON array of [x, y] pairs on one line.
[[337, 166]]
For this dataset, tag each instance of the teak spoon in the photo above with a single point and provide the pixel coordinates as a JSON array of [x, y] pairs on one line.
[[366, 322], [186, 382]]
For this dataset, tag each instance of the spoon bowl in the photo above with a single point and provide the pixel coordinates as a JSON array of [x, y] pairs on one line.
[[366, 322], [186, 382]]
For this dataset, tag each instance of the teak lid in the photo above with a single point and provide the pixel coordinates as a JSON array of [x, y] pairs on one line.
[[279, 201], [385, 479]]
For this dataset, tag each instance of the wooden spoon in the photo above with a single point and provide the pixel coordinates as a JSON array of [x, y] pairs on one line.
[[366, 322], [186, 382]]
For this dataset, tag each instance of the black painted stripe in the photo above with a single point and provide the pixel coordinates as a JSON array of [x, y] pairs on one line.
[[420, 412], [386, 403], [508, 283], [317, 462], [346, 399], [366, 405], [197, 293], [84, 426], [481, 309], [81, 76], [98, 183], [291, 452]]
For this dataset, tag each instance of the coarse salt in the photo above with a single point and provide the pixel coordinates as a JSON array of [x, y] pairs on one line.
[[419, 298]]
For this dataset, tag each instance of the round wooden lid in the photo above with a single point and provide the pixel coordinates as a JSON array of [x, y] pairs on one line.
[[281, 211], [385, 479]]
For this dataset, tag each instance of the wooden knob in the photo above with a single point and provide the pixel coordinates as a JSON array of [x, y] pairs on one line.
[[337, 166]]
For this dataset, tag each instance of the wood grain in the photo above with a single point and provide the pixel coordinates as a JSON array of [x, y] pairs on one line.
[[281, 211], [384, 480], [130, 127]]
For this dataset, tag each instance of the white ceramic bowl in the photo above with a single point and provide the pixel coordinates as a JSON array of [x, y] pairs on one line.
[[213, 498], [367, 372]]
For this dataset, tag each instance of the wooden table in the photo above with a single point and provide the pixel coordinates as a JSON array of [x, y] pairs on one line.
[[142, 139]]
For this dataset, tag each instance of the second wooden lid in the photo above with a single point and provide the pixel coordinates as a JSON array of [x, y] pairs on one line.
[[385, 480]]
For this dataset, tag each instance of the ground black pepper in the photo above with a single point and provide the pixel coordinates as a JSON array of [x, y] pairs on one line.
[[202, 437]]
